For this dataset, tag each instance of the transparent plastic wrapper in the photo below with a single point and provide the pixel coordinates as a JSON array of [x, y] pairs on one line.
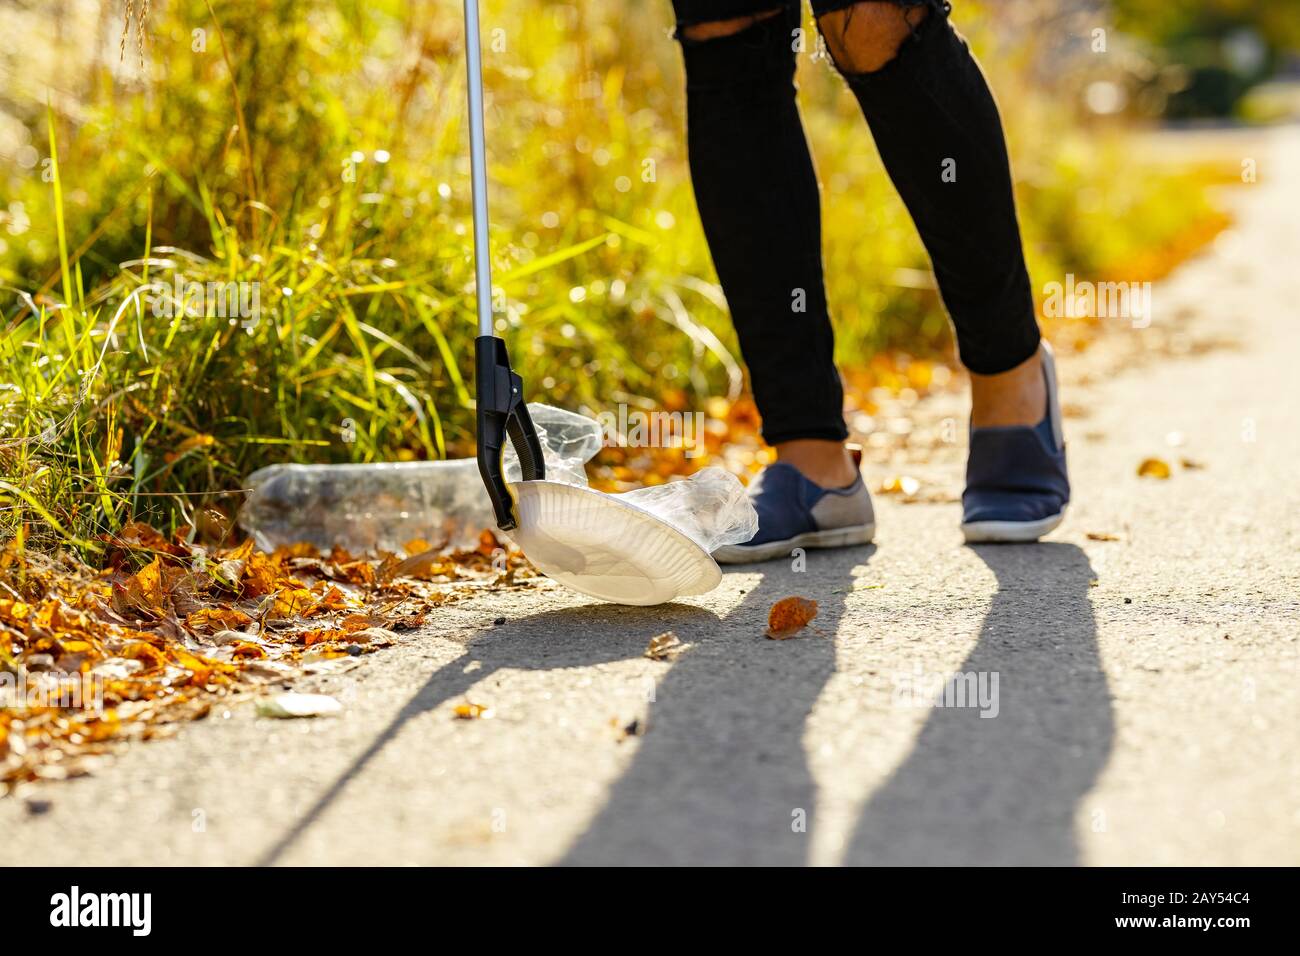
[[569, 440], [710, 507], [382, 506]]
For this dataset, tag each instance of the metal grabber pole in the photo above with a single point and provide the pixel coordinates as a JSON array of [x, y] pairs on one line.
[[499, 392]]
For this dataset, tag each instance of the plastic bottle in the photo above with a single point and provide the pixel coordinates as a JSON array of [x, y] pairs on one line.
[[371, 507]]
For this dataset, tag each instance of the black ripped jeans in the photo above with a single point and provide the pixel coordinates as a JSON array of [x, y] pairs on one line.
[[939, 134]]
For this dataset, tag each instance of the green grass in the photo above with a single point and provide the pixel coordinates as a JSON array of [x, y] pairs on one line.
[[233, 164]]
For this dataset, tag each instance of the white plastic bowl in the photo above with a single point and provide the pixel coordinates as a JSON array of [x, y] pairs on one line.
[[607, 548]]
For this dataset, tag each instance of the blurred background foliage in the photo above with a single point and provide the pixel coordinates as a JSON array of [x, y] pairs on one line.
[[317, 149], [1210, 56]]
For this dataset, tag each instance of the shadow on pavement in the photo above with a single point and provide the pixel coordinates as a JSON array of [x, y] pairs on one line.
[[722, 766], [1005, 790], [573, 637]]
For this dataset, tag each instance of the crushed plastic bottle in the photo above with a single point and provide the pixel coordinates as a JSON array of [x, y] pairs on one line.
[[366, 508], [382, 506]]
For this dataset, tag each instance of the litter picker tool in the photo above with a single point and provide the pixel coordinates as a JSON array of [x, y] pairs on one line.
[[499, 391], [593, 542]]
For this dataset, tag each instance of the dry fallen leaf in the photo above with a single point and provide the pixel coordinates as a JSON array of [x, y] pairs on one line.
[[1191, 464], [1154, 468], [665, 647], [789, 616], [1102, 536], [333, 600], [320, 635], [471, 711], [416, 546], [216, 619], [359, 622], [291, 602], [379, 636]]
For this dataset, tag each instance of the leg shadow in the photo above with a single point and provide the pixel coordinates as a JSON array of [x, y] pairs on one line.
[[721, 770], [574, 637], [1005, 790]]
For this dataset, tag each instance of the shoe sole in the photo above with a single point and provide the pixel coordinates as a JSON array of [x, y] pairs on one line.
[[1010, 532], [830, 538]]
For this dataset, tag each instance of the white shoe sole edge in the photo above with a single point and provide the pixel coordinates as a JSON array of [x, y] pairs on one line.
[[1010, 532], [830, 538]]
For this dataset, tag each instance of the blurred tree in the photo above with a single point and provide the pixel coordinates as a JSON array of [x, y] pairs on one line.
[[1277, 21], [1226, 46]]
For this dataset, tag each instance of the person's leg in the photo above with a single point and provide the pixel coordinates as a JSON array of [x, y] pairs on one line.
[[758, 201], [756, 190], [939, 134]]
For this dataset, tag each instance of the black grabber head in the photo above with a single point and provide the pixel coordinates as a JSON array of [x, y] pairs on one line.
[[502, 414]]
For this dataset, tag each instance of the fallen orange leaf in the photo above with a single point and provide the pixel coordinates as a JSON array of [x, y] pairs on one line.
[[416, 546], [488, 543], [1154, 468], [788, 616], [261, 575], [321, 634], [332, 600], [291, 602], [213, 619], [358, 622]]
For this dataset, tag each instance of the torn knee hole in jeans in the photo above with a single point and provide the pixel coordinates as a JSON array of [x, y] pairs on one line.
[[866, 37]]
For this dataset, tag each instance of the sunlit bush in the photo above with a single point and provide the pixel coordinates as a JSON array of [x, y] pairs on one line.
[[331, 175]]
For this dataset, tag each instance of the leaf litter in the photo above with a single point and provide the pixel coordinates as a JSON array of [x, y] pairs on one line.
[[665, 647], [90, 660]]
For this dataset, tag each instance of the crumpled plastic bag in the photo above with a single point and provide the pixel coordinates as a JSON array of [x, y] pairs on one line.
[[569, 440], [710, 507]]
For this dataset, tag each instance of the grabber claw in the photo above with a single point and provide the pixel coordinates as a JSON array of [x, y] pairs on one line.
[[502, 416]]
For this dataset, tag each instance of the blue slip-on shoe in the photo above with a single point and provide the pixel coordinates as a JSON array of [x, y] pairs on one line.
[[794, 512], [1016, 483]]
